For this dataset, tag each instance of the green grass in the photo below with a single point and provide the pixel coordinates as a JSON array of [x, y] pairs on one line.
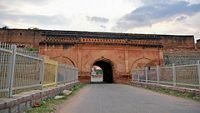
[[49, 105], [192, 96]]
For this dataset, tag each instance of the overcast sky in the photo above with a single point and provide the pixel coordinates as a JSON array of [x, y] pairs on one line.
[[132, 16]]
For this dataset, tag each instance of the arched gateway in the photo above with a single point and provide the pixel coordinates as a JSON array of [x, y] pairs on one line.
[[107, 70], [115, 53]]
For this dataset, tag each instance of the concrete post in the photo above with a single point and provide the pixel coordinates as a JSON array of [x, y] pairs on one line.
[[199, 72], [158, 74], [146, 75], [174, 74], [12, 69]]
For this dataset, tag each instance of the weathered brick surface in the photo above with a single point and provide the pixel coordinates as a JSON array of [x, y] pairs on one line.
[[122, 58], [33, 37], [181, 57], [178, 42], [21, 37]]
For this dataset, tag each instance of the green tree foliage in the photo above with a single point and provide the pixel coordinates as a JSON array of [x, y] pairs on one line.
[[99, 72]]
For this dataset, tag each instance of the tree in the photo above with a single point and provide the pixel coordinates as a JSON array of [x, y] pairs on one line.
[[33, 28], [5, 27]]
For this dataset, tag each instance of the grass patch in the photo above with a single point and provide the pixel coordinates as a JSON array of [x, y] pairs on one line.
[[192, 96], [76, 88], [49, 105]]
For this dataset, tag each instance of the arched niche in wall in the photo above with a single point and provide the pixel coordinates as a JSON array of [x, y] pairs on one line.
[[65, 60], [143, 62]]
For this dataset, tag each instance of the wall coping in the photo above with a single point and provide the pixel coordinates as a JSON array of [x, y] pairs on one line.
[[31, 96]]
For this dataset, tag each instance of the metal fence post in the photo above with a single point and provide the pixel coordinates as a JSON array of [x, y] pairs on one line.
[[138, 75], [12, 69], [158, 74], [74, 74], [56, 74], [146, 74], [65, 75], [132, 74], [77, 73], [199, 72], [174, 74], [42, 73]]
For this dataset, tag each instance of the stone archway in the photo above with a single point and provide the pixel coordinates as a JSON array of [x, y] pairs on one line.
[[141, 62], [107, 68], [65, 60]]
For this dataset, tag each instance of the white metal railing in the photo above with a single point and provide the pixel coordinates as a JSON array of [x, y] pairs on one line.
[[66, 74], [18, 70], [21, 69], [182, 75]]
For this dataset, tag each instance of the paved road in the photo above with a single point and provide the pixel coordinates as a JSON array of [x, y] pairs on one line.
[[116, 98]]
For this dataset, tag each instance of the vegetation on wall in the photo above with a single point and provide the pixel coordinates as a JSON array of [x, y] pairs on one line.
[[31, 49]]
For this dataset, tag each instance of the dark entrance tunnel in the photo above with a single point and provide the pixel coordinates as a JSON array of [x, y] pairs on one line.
[[107, 71]]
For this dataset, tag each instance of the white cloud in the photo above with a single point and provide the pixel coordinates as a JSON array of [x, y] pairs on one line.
[[97, 19], [154, 13], [187, 26], [103, 15]]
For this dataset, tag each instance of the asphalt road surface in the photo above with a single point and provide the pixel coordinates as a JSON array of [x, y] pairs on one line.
[[117, 98]]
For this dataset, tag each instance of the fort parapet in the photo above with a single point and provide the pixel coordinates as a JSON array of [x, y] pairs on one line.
[[34, 37]]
